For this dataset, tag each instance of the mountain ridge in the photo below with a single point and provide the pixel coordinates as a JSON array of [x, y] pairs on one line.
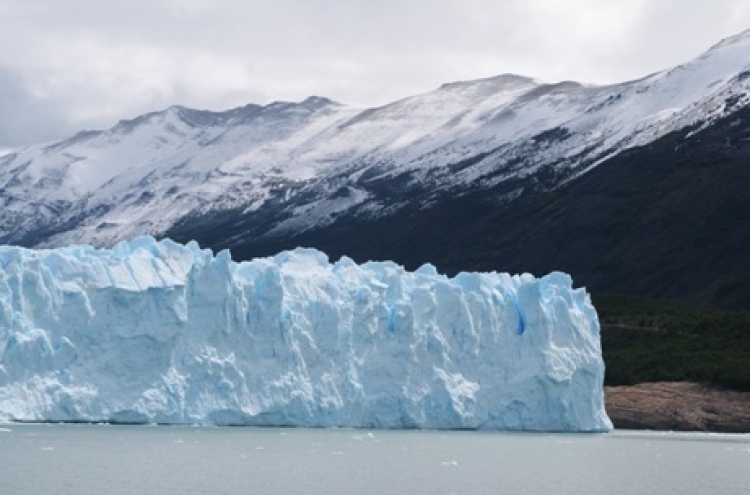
[[263, 175]]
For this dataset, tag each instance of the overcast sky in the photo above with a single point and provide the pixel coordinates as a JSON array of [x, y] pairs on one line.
[[67, 65]]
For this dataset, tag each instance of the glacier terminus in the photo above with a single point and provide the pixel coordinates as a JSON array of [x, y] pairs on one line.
[[158, 332]]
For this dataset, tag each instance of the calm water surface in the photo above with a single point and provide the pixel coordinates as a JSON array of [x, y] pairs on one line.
[[143, 460]]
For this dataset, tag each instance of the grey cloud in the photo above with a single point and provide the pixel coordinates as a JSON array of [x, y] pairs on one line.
[[23, 118], [88, 63]]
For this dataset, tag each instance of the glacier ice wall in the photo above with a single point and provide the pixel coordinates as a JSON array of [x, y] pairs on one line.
[[160, 332]]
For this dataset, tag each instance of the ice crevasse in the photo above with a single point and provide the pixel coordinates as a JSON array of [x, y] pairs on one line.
[[158, 332]]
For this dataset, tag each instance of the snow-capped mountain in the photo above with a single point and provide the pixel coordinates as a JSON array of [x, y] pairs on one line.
[[291, 167]]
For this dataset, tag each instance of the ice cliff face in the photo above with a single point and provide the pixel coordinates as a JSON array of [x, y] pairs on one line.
[[160, 332]]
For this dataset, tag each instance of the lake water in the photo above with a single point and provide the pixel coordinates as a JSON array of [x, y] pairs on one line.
[[143, 460]]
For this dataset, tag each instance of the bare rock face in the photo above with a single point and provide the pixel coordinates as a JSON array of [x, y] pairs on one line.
[[680, 406]]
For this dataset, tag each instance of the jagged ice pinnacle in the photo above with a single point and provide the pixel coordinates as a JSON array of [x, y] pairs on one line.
[[160, 332]]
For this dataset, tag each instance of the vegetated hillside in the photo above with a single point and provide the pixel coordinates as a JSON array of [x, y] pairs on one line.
[[670, 220], [655, 341]]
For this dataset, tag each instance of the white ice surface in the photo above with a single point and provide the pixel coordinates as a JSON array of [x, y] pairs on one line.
[[160, 332]]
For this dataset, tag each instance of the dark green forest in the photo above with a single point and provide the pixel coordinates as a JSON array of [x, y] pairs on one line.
[[645, 340]]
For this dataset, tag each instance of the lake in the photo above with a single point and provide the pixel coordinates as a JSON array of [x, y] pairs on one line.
[[142, 460]]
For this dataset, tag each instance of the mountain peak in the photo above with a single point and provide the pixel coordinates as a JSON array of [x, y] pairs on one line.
[[499, 80], [742, 38], [317, 101]]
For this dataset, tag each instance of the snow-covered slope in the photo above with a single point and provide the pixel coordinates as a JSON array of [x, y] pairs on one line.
[[160, 332], [295, 166]]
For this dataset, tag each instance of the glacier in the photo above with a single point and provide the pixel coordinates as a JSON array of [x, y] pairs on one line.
[[158, 332]]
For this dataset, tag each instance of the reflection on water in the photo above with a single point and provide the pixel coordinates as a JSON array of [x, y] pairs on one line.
[[95, 459]]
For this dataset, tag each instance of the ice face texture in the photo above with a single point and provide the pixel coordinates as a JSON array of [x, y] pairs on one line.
[[160, 332]]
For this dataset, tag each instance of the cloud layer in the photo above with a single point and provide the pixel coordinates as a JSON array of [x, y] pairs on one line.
[[87, 63]]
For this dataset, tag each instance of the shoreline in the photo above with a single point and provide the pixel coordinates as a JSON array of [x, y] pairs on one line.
[[678, 406], [647, 407]]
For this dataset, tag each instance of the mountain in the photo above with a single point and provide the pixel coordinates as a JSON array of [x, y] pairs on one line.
[[669, 220], [613, 183]]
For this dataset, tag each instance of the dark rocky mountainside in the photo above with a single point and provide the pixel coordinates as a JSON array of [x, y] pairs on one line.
[[667, 220]]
